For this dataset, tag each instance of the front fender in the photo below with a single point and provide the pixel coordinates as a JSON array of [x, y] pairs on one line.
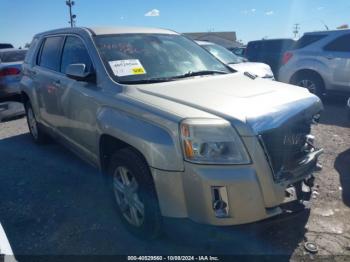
[[159, 145]]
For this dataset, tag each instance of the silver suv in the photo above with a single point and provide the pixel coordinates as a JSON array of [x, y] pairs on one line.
[[177, 133], [320, 61]]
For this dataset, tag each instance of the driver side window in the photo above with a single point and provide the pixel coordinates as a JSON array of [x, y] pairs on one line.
[[74, 52]]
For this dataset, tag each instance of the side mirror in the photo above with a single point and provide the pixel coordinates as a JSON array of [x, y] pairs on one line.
[[78, 72]]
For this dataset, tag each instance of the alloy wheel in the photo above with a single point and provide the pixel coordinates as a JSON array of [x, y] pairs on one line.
[[125, 189], [308, 84]]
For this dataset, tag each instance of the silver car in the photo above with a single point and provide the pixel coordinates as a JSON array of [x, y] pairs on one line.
[[239, 64], [178, 134], [320, 62], [10, 71]]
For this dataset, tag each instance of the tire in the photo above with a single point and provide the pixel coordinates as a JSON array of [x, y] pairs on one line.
[[137, 205], [35, 130], [310, 80]]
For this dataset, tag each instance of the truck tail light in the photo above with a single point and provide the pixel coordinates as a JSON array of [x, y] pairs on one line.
[[286, 57], [9, 71]]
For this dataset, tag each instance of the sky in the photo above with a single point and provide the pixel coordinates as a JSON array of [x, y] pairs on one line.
[[251, 20]]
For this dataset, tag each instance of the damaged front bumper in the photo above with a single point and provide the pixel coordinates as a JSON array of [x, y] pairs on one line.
[[230, 195]]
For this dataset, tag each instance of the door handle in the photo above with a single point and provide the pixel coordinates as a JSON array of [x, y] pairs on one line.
[[330, 57]]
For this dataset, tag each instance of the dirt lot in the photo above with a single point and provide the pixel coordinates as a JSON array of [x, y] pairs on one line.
[[53, 203]]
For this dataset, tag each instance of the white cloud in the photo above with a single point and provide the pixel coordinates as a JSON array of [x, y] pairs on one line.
[[251, 11], [153, 12], [270, 13]]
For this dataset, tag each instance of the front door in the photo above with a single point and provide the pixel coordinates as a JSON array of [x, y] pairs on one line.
[[77, 100], [337, 56]]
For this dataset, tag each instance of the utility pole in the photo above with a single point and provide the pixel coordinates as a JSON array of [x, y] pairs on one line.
[[72, 17], [296, 30]]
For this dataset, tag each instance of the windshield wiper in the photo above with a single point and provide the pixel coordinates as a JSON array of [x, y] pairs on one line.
[[173, 78], [201, 73], [148, 81]]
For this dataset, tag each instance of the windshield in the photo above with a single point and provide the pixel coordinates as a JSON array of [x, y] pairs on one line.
[[133, 58], [12, 56], [223, 54]]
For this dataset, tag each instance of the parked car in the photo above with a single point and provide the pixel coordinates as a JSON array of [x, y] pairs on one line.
[[269, 52], [237, 63], [320, 62], [5, 46], [239, 51], [10, 72], [179, 134]]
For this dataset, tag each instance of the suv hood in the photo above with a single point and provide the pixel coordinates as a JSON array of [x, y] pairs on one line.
[[257, 105]]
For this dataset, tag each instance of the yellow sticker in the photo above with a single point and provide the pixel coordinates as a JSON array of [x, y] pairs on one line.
[[138, 71], [127, 67]]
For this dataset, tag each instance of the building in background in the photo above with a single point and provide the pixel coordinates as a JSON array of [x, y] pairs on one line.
[[225, 39]]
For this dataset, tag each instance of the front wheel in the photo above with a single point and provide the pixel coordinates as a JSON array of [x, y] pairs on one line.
[[135, 195]]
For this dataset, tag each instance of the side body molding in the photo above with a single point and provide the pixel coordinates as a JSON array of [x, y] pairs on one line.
[[158, 145]]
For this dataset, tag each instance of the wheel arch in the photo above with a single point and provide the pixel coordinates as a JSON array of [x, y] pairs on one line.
[[157, 145], [308, 72], [108, 145]]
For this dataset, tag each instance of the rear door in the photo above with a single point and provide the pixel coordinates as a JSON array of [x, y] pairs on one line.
[[337, 56], [48, 76]]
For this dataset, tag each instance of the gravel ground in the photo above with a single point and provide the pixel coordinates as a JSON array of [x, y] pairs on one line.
[[52, 203]]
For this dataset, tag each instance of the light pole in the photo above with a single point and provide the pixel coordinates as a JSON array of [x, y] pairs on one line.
[[72, 17], [296, 31]]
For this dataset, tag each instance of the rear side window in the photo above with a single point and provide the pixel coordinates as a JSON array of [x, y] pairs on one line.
[[253, 49], [33, 46], [307, 40], [341, 44], [269, 46], [277, 46], [74, 52], [50, 53]]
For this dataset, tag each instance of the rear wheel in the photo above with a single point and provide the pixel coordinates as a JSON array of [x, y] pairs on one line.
[[310, 81], [36, 132], [135, 195]]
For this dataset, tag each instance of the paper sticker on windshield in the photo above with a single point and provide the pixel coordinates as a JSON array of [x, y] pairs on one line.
[[127, 67]]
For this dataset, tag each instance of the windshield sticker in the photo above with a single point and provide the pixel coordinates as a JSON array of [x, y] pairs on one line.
[[127, 67]]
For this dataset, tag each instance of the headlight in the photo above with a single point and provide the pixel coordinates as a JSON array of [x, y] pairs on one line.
[[212, 141]]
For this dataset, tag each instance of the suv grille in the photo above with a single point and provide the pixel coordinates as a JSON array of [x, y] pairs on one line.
[[284, 146]]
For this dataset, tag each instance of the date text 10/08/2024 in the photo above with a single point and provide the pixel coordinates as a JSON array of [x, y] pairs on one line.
[[173, 258]]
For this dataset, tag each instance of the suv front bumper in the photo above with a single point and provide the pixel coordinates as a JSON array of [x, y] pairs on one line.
[[249, 191]]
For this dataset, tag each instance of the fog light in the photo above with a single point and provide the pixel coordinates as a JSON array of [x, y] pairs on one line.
[[220, 202]]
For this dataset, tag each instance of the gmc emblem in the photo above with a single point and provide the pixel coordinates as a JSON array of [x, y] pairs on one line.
[[293, 139]]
